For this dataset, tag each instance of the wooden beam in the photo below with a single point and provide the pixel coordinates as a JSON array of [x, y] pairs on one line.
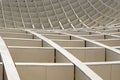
[[9, 66]]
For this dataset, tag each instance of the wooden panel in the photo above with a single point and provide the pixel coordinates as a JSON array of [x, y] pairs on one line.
[[16, 35], [112, 56], [62, 37], [74, 38], [103, 71], [110, 37], [89, 44], [110, 31], [67, 43], [46, 32], [70, 43], [60, 73], [111, 42], [23, 42], [32, 72], [115, 72], [88, 54], [116, 33], [107, 70], [78, 53], [12, 30], [94, 37], [79, 75], [46, 72], [32, 54], [79, 33], [60, 58], [93, 55], [46, 44]]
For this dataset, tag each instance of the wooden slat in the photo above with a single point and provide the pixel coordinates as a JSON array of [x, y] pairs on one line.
[[32, 54], [9, 66]]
